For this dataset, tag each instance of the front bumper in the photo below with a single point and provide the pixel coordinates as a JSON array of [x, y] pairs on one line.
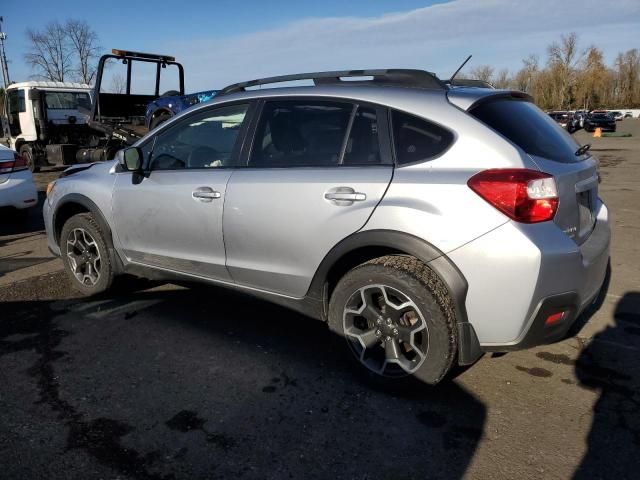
[[520, 274], [18, 191]]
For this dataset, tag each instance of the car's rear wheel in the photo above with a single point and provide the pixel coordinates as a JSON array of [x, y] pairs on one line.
[[397, 319], [85, 255]]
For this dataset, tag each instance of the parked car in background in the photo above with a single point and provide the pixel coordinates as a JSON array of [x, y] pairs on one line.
[[566, 120], [17, 190], [171, 103], [425, 223], [600, 119], [618, 116]]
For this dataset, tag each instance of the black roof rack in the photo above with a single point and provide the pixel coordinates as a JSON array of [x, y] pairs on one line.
[[389, 77], [470, 82]]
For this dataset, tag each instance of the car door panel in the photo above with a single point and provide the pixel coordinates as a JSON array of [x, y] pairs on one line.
[[279, 225], [281, 221], [161, 224], [171, 217]]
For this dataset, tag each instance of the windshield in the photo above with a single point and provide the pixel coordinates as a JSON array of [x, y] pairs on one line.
[[67, 100], [529, 128]]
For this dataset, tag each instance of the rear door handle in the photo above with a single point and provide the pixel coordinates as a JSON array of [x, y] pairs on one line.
[[205, 194], [344, 196], [351, 197]]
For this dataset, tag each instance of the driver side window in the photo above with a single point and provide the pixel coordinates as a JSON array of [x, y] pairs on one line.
[[204, 140]]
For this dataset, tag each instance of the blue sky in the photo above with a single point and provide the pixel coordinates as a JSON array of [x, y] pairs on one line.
[[224, 41]]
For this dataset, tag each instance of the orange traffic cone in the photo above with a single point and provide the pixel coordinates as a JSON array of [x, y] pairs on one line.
[[597, 133]]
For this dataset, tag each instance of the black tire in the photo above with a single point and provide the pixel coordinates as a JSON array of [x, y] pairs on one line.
[[27, 154], [86, 222], [158, 120], [418, 283], [170, 93]]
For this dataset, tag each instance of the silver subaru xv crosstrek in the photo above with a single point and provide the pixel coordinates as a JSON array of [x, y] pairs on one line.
[[426, 223]]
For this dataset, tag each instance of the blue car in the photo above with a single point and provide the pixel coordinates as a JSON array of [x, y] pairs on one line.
[[166, 106]]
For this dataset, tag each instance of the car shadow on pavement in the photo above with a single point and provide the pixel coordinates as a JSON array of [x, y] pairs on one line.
[[203, 383], [610, 365]]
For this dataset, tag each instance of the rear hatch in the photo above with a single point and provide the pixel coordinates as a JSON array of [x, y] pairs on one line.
[[554, 151]]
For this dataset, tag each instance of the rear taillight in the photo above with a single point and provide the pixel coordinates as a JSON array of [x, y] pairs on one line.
[[18, 163], [523, 195]]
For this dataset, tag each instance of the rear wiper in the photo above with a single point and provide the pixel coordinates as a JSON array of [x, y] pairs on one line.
[[583, 149]]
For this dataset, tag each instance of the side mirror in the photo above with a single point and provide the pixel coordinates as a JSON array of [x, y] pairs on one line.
[[130, 159]]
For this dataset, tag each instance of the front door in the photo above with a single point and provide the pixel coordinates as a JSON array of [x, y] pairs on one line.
[[314, 175], [172, 218]]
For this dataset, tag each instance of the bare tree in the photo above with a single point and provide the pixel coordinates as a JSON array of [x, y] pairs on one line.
[[83, 42], [502, 79], [49, 54], [563, 58], [63, 51], [483, 72], [118, 83]]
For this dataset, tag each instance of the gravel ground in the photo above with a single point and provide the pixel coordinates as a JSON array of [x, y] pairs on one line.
[[158, 381]]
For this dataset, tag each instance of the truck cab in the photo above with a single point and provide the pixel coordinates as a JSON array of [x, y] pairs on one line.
[[41, 116]]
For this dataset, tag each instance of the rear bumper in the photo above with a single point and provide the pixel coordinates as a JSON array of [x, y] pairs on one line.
[[519, 275], [18, 191]]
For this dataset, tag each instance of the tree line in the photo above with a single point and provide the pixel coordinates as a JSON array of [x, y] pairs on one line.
[[570, 78]]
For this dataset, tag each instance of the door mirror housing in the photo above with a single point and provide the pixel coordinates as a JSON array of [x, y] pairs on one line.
[[130, 159]]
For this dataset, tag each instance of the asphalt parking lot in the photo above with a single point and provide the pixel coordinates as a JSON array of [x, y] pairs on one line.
[[159, 381]]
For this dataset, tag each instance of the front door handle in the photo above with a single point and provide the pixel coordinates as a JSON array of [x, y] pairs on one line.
[[205, 194], [344, 196]]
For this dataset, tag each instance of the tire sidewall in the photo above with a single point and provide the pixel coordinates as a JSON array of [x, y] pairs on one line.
[[87, 222], [438, 360]]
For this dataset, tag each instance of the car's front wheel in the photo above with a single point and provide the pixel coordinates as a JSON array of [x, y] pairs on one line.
[[397, 319], [85, 255]]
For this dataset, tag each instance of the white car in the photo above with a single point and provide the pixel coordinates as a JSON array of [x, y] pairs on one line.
[[16, 183]]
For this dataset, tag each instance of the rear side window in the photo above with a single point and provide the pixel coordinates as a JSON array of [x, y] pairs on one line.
[[293, 134], [529, 128], [416, 139]]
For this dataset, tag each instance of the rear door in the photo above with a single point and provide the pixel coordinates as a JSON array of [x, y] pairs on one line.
[[554, 151], [313, 176]]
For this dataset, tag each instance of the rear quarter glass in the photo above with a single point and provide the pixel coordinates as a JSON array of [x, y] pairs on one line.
[[528, 127]]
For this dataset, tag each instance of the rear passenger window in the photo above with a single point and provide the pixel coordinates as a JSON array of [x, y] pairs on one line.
[[293, 133], [416, 139], [363, 145]]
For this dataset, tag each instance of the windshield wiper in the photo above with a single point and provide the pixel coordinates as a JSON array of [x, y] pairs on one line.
[[583, 149]]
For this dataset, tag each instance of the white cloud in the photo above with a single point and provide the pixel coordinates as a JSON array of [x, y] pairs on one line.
[[437, 38]]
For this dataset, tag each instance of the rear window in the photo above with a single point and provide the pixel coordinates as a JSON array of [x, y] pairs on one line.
[[528, 127]]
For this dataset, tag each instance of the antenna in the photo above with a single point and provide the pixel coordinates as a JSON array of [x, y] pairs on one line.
[[3, 57], [459, 68]]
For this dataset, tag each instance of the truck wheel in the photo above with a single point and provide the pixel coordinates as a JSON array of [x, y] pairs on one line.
[[398, 320], [27, 154], [85, 255], [159, 119]]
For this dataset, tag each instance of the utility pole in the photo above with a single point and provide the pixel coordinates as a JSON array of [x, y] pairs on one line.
[[3, 58]]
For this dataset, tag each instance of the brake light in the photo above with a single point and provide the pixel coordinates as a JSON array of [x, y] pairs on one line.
[[18, 163], [526, 196]]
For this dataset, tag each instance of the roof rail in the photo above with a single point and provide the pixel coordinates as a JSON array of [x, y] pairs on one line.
[[470, 82], [395, 77]]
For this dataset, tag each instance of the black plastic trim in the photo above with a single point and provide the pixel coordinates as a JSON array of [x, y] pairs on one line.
[[541, 334]]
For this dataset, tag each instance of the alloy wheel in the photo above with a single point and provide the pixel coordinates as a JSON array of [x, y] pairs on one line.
[[385, 330], [84, 256]]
